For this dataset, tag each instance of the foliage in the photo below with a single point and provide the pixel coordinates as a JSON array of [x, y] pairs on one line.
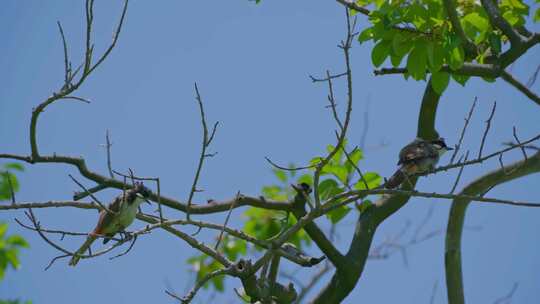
[[420, 34], [8, 180], [9, 249], [337, 176], [15, 302], [10, 245]]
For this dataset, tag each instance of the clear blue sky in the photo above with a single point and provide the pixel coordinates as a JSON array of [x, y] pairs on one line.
[[252, 64]]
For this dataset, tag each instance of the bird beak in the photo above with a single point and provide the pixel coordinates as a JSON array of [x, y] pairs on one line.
[[140, 195], [448, 148]]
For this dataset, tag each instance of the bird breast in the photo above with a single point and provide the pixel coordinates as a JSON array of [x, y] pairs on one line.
[[128, 213]]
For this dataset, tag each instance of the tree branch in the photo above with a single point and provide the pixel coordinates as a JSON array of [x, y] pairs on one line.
[[497, 20], [456, 218], [344, 279], [521, 87], [470, 47]]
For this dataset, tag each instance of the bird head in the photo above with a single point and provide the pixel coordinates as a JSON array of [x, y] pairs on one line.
[[440, 145], [141, 191]]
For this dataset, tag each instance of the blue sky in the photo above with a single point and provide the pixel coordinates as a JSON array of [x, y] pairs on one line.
[[251, 63]]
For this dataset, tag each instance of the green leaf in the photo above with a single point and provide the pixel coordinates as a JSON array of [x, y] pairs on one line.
[[495, 43], [518, 4], [395, 59], [536, 17], [17, 240], [219, 283], [511, 17], [11, 256], [435, 53], [401, 44], [8, 181], [305, 178], [380, 52], [479, 22], [461, 79], [365, 35], [365, 205], [329, 188], [439, 81], [338, 214], [338, 171], [354, 157], [280, 174], [372, 179], [3, 229], [416, 62], [457, 57], [14, 166], [273, 192]]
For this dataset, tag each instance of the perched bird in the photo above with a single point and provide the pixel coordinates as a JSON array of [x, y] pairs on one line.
[[417, 157], [124, 208]]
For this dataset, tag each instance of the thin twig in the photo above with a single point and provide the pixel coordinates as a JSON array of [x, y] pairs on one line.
[[467, 119], [226, 222], [519, 143], [459, 174], [66, 58], [96, 200], [345, 46], [108, 146], [356, 167], [488, 125], [507, 298], [328, 77], [332, 101], [187, 299], [206, 140], [288, 168]]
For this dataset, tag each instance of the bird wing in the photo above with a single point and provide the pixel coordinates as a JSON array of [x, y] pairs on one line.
[[412, 151], [105, 217]]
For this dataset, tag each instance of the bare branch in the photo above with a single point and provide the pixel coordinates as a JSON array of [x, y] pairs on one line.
[[533, 77], [327, 78], [467, 119], [488, 125], [459, 173], [454, 276], [497, 20], [507, 298], [521, 87], [205, 143], [187, 299], [96, 200], [345, 46], [108, 146], [288, 168], [226, 222], [469, 46], [519, 143]]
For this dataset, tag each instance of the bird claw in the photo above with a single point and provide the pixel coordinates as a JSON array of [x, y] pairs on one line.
[[126, 235]]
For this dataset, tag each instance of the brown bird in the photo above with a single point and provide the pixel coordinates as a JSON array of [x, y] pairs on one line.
[[417, 157], [124, 209]]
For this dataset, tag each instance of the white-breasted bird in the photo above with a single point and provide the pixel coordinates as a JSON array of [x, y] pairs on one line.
[[417, 157], [124, 209]]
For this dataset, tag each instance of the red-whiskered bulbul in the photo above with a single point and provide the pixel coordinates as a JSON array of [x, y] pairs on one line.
[[417, 157], [124, 209]]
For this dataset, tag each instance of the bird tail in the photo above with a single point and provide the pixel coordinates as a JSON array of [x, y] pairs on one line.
[[77, 255], [395, 180]]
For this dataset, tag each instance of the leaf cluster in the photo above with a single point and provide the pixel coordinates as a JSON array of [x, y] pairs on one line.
[[420, 34]]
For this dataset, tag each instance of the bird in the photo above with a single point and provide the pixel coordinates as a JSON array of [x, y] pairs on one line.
[[418, 156], [122, 212]]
